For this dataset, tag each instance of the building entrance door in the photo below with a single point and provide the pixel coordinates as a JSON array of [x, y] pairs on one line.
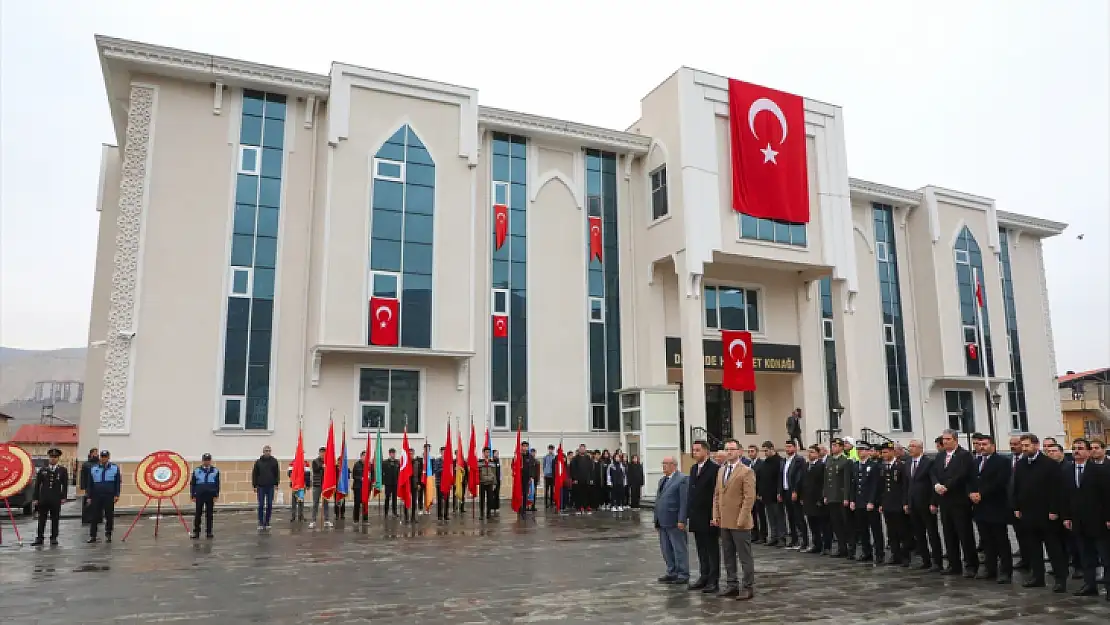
[[718, 411]]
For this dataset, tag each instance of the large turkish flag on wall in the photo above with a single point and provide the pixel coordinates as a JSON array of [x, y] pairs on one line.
[[768, 134], [383, 321], [739, 367]]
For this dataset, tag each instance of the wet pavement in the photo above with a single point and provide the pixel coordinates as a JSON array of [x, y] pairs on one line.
[[551, 569]]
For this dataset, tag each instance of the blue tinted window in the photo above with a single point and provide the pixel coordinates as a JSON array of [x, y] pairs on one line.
[[275, 106], [385, 255], [418, 258], [500, 273], [385, 285], [267, 222], [418, 228], [239, 281], [388, 170], [235, 375], [242, 250], [264, 283], [265, 252], [238, 313], [253, 102], [244, 219], [259, 348], [262, 314], [271, 162], [419, 199], [273, 133], [269, 192], [389, 195], [392, 151], [246, 189], [897, 373], [424, 175], [510, 269], [248, 160], [518, 223], [233, 411], [501, 168], [386, 225], [420, 156], [250, 132], [416, 310]]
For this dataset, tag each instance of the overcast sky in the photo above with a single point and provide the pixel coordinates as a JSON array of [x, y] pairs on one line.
[[1007, 99]]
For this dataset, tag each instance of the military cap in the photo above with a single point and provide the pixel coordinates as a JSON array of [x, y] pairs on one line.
[[206, 457], [838, 441], [863, 445], [887, 445], [979, 436], [104, 453], [54, 452]]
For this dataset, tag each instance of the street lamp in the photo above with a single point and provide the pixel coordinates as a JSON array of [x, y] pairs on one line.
[[997, 399], [837, 411]]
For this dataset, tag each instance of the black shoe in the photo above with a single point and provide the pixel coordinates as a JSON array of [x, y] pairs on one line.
[[970, 573], [986, 575], [1077, 574], [698, 585], [1033, 583], [729, 592], [867, 558], [1086, 591], [209, 535], [711, 589], [666, 579], [108, 538], [924, 566], [1060, 587], [53, 542], [38, 542], [91, 540], [1005, 580], [195, 535]]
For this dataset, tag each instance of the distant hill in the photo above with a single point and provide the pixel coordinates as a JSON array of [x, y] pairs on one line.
[[21, 368]]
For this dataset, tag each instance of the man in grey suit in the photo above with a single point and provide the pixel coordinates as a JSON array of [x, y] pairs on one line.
[[671, 499]]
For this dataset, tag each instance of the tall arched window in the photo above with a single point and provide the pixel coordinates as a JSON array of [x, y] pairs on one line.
[[969, 263], [401, 227]]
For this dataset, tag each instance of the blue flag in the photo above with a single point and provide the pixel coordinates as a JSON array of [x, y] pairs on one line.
[[343, 486]]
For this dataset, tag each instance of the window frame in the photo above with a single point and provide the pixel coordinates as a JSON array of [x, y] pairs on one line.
[[966, 257], [974, 335], [715, 330], [604, 417], [751, 421], [257, 171], [493, 406], [231, 281], [377, 176], [384, 429], [895, 423], [500, 184], [828, 330], [882, 251], [948, 414], [652, 189], [392, 274], [889, 337], [590, 311], [242, 425], [421, 402], [494, 310]]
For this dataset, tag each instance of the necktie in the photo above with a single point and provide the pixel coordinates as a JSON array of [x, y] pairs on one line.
[[913, 469], [728, 472], [1078, 475], [663, 483], [947, 459], [981, 460]]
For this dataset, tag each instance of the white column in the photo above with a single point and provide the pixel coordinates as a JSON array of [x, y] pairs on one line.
[[691, 335]]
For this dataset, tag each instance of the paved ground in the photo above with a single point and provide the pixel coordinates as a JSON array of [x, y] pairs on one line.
[[569, 569]]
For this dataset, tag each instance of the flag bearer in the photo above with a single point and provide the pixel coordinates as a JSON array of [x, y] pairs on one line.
[[204, 489], [51, 485], [104, 489], [487, 482]]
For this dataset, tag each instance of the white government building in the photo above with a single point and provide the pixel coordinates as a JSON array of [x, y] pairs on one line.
[[248, 215]]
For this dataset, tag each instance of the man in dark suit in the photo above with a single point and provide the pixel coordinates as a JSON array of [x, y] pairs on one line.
[[813, 502], [921, 505], [1014, 459], [990, 496], [1037, 502], [865, 507], [892, 492], [703, 483], [671, 499], [1086, 512], [50, 490], [793, 472], [954, 472], [768, 484], [759, 513]]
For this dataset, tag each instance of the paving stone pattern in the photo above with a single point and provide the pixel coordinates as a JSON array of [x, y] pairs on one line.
[[549, 569]]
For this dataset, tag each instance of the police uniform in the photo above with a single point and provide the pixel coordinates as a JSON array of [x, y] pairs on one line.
[[51, 486], [892, 497], [104, 489], [838, 480], [204, 488], [869, 523]]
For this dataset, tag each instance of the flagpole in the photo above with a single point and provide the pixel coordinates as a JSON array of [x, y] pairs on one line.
[[981, 342]]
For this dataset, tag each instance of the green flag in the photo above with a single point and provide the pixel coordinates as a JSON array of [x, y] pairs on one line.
[[378, 463]]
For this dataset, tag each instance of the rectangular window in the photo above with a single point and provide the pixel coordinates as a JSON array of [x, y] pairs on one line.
[[749, 412], [888, 334], [772, 231], [500, 302], [881, 251], [500, 415], [961, 412], [597, 418], [886, 266], [731, 308], [501, 193], [250, 160], [389, 170], [232, 413], [659, 207], [962, 257], [970, 334], [241, 279], [827, 329], [385, 284], [597, 310], [895, 420], [388, 400], [1015, 422]]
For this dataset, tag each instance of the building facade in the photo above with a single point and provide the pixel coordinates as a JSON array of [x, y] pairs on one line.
[[1085, 404], [261, 227]]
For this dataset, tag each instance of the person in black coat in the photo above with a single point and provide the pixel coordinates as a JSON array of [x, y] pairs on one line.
[[759, 512], [865, 507], [813, 502], [1037, 503], [1086, 512], [50, 490], [892, 492], [990, 496], [954, 470], [790, 487], [1013, 460], [83, 484], [581, 475], [768, 484], [635, 481], [921, 505], [702, 485]]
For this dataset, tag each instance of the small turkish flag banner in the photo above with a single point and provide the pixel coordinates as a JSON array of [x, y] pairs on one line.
[[978, 291], [768, 134], [972, 351], [739, 366], [500, 326], [383, 321], [595, 238], [500, 224]]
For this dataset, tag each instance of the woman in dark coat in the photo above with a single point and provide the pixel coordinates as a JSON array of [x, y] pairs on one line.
[[635, 481]]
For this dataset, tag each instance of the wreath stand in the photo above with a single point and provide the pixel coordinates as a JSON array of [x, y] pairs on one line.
[[15, 527], [158, 516]]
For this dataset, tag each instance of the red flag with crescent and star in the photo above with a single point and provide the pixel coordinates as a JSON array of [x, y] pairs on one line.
[[500, 224], [331, 476], [404, 476], [769, 177], [739, 365], [500, 326], [595, 238], [447, 467], [383, 321]]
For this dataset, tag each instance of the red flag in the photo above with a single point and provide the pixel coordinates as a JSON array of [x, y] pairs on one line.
[[366, 471], [518, 487], [404, 476], [978, 290], [739, 367], [460, 460], [330, 467], [472, 462], [595, 238], [560, 469], [447, 469], [768, 133], [972, 351], [383, 321], [296, 470], [501, 224], [500, 326]]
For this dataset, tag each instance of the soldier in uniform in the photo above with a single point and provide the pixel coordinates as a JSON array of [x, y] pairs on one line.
[[892, 495], [838, 482], [204, 489], [104, 489], [51, 485], [865, 506]]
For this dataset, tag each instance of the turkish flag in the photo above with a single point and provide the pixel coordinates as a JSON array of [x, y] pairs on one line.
[[768, 134], [560, 470], [500, 326], [383, 321], [739, 366], [404, 476], [500, 223], [447, 467], [595, 238], [978, 290], [973, 351]]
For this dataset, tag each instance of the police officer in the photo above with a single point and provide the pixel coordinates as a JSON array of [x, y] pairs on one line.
[[892, 496], [51, 485], [865, 506], [104, 489], [204, 489], [837, 495]]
